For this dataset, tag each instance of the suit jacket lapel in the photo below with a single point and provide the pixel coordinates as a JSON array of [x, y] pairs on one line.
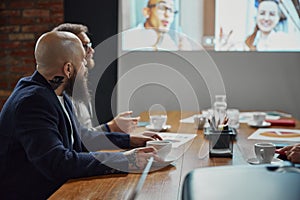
[[75, 124]]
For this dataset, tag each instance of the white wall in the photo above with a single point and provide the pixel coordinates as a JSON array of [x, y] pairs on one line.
[[252, 80], [264, 81]]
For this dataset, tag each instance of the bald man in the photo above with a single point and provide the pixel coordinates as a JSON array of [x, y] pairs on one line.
[[41, 143], [82, 100]]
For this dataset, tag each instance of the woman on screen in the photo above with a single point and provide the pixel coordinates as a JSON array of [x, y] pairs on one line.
[[264, 36]]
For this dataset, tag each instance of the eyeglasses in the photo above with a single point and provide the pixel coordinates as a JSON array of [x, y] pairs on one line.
[[162, 7], [87, 46]]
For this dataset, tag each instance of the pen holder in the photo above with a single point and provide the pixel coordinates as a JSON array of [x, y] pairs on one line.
[[220, 143]]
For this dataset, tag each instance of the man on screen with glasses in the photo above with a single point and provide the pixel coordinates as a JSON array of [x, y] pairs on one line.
[[154, 33]]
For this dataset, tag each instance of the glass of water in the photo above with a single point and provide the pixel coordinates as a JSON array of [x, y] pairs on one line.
[[233, 116]]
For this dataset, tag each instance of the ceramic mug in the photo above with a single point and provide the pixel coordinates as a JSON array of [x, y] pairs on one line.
[[163, 147], [259, 118], [158, 121], [264, 152]]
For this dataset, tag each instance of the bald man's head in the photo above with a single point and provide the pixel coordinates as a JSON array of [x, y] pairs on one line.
[[54, 49]]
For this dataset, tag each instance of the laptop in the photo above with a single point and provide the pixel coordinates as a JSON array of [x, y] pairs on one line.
[[264, 182]]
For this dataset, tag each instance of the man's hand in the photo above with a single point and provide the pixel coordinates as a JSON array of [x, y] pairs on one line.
[[123, 123], [292, 152], [138, 158], [141, 139]]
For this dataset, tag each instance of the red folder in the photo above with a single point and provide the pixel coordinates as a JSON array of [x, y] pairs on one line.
[[282, 122]]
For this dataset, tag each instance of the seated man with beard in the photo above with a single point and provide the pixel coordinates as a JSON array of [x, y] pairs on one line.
[[82, 100], [41, 144]]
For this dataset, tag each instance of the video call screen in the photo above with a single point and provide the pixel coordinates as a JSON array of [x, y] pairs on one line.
[[217, 25]]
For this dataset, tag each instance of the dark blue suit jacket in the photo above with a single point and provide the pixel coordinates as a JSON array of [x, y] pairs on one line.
[[36, 152]]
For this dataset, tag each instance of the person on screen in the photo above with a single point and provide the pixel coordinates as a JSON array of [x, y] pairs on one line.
[[292, 153], [42, 144], [154, 32], [82, 100], [264, 36]]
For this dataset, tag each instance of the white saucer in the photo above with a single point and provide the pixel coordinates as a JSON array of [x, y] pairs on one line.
[[263, 125], [254, 161], [150, 127], [168, 160]]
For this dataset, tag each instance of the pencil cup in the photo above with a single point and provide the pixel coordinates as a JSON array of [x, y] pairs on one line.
[[220, 143]]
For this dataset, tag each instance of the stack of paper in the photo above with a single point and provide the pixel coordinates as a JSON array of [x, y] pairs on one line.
[[177, 139], [273, 134]]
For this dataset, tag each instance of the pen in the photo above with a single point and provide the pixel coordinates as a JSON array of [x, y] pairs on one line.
[[225, 120], [142, 179], [218, 123], [210, 124], [213, 120]]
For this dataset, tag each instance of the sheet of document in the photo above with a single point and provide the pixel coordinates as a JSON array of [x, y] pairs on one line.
[[177, 139], [274, 134], [244, 117], [189, 120]]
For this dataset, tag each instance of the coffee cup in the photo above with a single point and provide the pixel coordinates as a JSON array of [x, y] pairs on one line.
[[163, 147], [199, 121], [259, 118], [264, 152], [158, 122]]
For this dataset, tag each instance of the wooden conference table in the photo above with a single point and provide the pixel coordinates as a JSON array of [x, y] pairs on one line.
[[165, 183]]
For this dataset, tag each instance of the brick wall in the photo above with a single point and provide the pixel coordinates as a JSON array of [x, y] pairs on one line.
[[21, 23]]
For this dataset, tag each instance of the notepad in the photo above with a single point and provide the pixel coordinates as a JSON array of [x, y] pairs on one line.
[[177, 139], [272, 134]]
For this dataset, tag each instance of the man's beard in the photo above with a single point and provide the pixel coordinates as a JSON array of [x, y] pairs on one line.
[[77, 87], [90, 63]]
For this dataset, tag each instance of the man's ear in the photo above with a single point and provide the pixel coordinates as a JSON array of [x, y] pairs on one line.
[[146, 12], [68, 69]]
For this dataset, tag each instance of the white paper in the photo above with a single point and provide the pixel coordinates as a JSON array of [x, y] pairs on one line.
[[246, 117], [177, 139], [189, 120], [278, 134]]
